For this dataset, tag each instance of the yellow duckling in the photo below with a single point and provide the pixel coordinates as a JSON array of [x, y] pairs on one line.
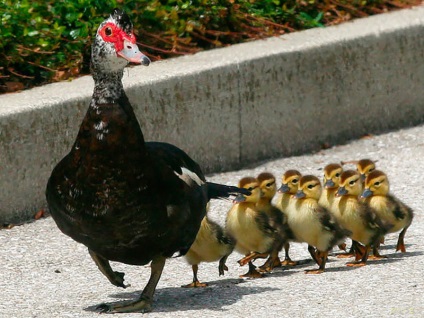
[[332, 173], [251, 228], [357, 217], [365, 167], [387, 206], [289, 187], [211, 244], [314, 224], [278, 220]]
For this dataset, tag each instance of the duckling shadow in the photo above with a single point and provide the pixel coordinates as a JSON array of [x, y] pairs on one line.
[[215, 296]]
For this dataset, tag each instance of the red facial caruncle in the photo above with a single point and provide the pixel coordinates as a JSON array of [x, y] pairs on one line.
[[113, 34]]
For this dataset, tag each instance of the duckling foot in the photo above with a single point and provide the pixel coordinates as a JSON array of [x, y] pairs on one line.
[[356, 264], [251, 257], [195, 284], [314, 271], [252, 273], [288, 262], [377, 257], [270, 264]]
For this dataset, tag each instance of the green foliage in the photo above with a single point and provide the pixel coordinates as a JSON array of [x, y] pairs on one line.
[[44, 40]]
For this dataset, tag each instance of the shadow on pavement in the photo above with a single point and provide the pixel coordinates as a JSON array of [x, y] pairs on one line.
[[215, 297]]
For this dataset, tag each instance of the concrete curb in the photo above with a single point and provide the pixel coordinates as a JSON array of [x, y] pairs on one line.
[[233, 106]]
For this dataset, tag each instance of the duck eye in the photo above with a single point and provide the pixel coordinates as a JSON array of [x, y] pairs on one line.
[[268, 184], [294, 181], [310, 186], [108, 31], [250, 188], [352, 182], [377, 183], [337, 175]]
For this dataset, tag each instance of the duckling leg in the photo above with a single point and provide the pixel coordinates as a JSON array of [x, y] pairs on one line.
[[314, 255], [222, 267], [272, 261], [195, 282], [116, 278], [375, 251], [351, 252], [144, 302], [323, 260], [400, 246], [251, 257], [252, 273], [363, 260], [287, 260]]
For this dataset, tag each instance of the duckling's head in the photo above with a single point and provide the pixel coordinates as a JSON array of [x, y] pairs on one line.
[[252, 185], [332, 173], [376, 183], [365, 167], [309, 187], [290, 182], [267, 185], [350, 183]]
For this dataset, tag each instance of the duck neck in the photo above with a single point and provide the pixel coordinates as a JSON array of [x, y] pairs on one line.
[[108, 88]]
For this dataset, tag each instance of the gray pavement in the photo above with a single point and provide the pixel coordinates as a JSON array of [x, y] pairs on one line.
[[45, 274]]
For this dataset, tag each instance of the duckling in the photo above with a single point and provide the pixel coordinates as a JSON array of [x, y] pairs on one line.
[[332, 173], [388, 207], [267, 185], [365, 167], [289, 186], [211, 244], [314, 224], [250, 227], [357, 217]]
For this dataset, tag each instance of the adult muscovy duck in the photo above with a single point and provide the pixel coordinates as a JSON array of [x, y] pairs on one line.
[[127, 200]]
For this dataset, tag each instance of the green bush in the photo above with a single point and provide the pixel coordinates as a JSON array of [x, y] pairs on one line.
[[45, 41]]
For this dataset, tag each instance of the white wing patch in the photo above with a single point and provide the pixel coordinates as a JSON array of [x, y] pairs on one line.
[[189, 176]]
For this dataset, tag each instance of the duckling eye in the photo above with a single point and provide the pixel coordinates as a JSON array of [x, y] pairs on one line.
[[250, 188], [352, 182], [294, 181], [337, 175], [372, 169], [268, 185], [108, 31], [311, 186], [377, 183]]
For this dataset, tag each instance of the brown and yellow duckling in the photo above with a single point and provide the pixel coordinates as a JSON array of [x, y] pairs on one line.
[[332, 173], [278, 220], [211, 244], [314, 224], [365, 167], [289, 187], [388, 207], [250, 227], [357, 217]]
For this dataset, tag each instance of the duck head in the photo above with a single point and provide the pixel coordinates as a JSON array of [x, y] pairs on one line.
[[332, 173], [290, 182], [252, 185], [350, 184]]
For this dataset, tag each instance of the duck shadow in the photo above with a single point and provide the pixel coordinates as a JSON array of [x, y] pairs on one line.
[[217, 295]]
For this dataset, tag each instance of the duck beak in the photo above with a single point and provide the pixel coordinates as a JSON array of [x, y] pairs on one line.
[[329, 184], [341, 191], [367, 193], [131, 53], [363, 177], [299, 194], [239, 198], [284, 188]]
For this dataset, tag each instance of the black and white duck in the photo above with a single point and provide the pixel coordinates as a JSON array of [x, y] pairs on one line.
[[127, 200]]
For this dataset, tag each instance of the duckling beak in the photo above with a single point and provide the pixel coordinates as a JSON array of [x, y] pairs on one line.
[[299, 194], [131, 53], [239, 198], [363, 177], [341, 191], [367, 193], [329, 184], [284, 188]]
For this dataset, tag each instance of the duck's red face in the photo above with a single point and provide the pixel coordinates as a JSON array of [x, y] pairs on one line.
[[124, 43]]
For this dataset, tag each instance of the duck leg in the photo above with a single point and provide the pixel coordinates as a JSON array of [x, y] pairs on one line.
[[222, 267], [400, 246], [352, 251], [116, 278], [144, 302], [323, 260], [363, 260], [252, 273], [375, 251], [314, 255], [287, 260], [272, 261], [251, 257], [195, 282]]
